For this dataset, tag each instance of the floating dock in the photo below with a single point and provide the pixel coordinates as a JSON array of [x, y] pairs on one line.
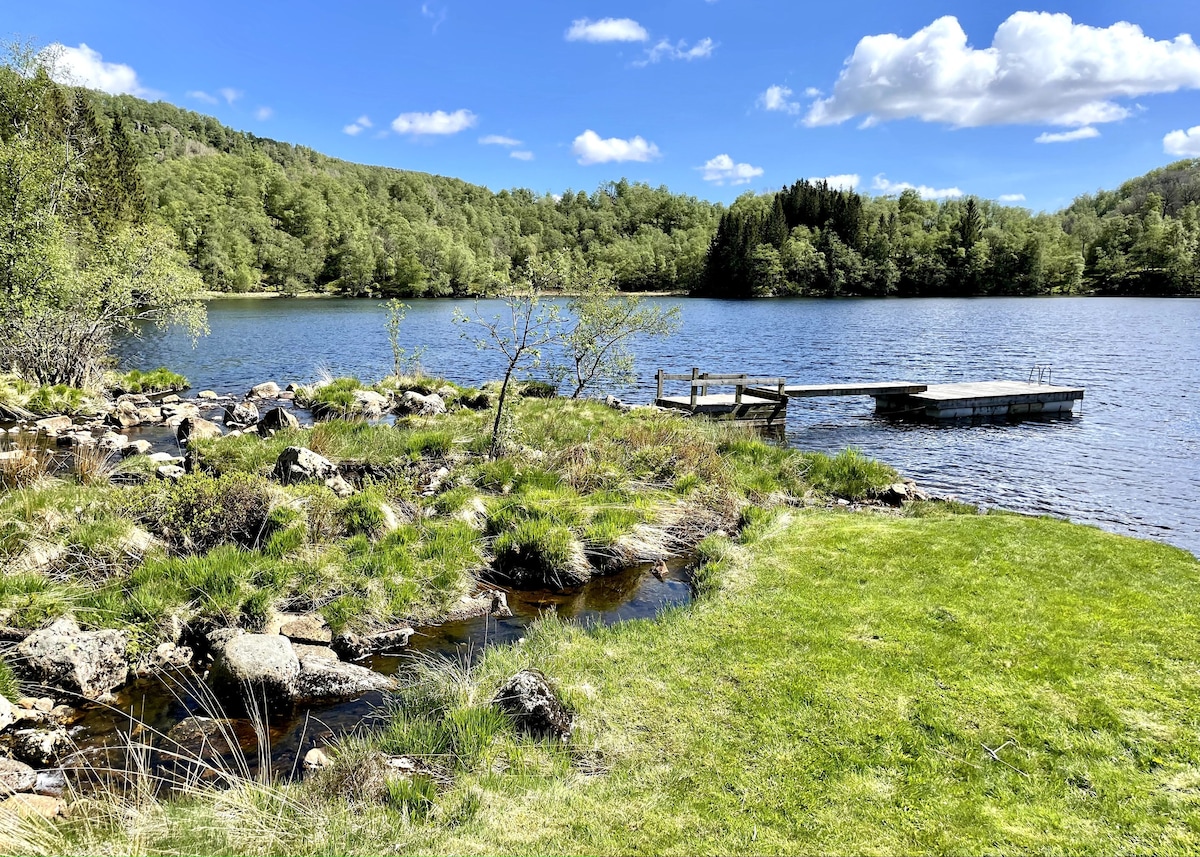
[[981, 400], [763, 402]]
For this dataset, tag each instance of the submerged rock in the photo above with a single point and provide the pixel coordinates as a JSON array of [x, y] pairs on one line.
[[534, 707], [90, 663]]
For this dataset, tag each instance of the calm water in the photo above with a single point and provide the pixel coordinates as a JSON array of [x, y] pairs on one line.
[[1128, 460]]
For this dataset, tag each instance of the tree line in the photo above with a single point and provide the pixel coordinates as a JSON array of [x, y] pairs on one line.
[[253, 214]]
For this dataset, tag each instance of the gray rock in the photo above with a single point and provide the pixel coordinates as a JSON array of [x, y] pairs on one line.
[[207, 395], [277, 419], [263, 665], [197, 428], [534, 707], [339, 486], [137, 447], [267, 390], [315, 759], [322, 680], [16, 777], [40, 747], [51, 783], [90, 663], [353, 646], [370, 404], [414, 404], [298, 464], [180, 410], [241, 414]]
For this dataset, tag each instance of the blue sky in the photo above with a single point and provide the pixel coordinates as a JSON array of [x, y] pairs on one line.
[[1029, 104]]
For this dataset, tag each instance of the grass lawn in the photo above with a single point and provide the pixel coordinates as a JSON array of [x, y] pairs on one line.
[[851, 683]]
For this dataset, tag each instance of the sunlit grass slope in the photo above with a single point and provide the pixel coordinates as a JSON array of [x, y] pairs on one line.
[[873, 685]]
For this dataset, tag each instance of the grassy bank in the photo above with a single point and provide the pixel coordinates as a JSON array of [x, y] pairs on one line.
[[848, 683]]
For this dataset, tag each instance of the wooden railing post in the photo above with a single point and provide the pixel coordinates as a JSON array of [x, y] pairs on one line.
[[738, 390], [660, 385], [695, 376], [782, 384]]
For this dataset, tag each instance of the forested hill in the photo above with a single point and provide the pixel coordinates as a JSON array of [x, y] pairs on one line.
[[255, 214]]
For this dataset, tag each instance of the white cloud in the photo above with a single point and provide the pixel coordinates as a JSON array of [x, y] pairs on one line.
[[591, 149], [1040, 68], [880, 183], [607, 30], [842, 181], [776, 99], [230, 94], [521, 155], [498, 140], [83, 66], [702, 50], [1184, 144], [359, 125], [262, 114], [812, 92], [437, 122], [722, 169], [200, 95], [1011, 197], [1087, 132]]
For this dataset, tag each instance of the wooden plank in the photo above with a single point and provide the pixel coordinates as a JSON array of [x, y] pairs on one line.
[[983, 392], [880, 388]]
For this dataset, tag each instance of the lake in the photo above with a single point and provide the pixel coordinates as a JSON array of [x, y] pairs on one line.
[[1128, 461]]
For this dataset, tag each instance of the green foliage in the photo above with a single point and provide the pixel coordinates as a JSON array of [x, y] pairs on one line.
[[535, 549], [157, 380], [363, 514], [10, 688], [404, 361], [849, 474], [199, 512], [79, 264]]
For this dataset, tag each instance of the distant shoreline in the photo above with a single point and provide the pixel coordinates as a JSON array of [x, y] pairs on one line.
[[211, 296]]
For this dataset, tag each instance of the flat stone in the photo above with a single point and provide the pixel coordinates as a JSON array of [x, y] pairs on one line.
[[264, 662], [34, 806], [311, 628], [53, 425]]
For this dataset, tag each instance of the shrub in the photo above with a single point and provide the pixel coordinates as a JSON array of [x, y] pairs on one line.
[[199, 512], [538, 390], [538, 552], [363, 514], [158, 380], [59, 399], [9, 688], [849, 474]]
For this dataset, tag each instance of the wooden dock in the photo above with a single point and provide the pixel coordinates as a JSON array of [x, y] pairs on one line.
[[763, 401], [981, 400]]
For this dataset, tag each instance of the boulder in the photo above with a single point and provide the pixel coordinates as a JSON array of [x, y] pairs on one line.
[[207, 395], [34, 806], [122, 418], [51, 783], [113, 442], [16, 777], [339, 486], [370, 404], [298, 464], [893, 495], [41, 747], [264, 665], [277, 419], [322, 679], [164, 458], [533, 706], [267, 390], [241, 414], [150, 415], [197, 428], [413, 403], [180, 410], [90, 663], [170, 472]]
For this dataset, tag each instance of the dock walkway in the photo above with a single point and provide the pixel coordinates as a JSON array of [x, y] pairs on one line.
[[763, 401]]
